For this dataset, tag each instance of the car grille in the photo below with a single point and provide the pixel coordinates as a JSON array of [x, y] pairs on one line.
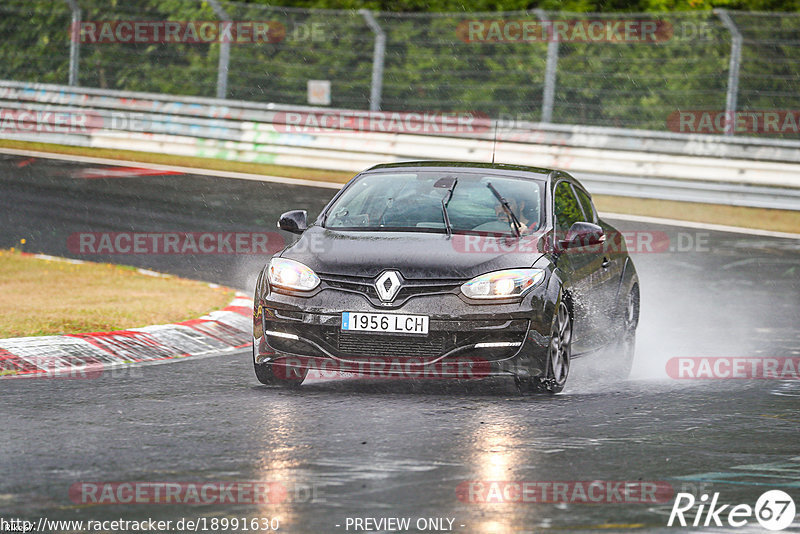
[[410, 288], [359, 345]]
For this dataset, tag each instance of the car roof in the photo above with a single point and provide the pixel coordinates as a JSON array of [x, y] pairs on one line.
[[484, 167], [489, 168]]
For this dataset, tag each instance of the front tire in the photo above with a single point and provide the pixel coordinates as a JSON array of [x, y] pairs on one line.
[[559, 355], [265, 373]]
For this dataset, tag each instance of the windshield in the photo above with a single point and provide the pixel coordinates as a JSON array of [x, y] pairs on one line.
[[413, 202]]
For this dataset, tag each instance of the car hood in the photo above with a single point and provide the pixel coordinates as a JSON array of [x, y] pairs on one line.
[[414, 254]]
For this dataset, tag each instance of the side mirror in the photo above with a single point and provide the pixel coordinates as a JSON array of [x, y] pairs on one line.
[[294, 221], [583, 234]]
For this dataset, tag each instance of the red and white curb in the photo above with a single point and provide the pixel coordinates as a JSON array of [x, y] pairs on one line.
[[90, 355]]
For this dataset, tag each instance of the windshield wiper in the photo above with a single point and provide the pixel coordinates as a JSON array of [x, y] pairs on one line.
[[447, 227], [513, 221]]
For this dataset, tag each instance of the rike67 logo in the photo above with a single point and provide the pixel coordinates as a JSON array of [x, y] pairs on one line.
[[774, 510]]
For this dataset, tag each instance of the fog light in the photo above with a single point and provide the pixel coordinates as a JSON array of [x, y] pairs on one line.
[[281, 334], [498, 344]]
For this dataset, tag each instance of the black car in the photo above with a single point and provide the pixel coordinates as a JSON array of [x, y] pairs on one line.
[[448, 269]]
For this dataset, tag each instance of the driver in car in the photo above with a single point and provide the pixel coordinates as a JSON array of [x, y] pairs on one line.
[[518, 207]]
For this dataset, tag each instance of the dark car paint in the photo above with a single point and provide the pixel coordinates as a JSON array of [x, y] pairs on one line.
[[593, 283], [415, 254]]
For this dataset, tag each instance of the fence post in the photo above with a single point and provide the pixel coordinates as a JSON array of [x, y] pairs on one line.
[[733, 70], [224, 53], [74, 42], [550, 68], [377, 60]]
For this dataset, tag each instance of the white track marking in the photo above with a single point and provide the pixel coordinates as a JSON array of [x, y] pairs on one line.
[[185, 170], [699, 225], [57, 258]]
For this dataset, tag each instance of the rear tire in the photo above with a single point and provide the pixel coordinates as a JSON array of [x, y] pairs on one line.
[[625, 348]]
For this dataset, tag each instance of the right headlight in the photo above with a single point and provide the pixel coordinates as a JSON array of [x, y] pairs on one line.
[[503, 284], [289, 274]]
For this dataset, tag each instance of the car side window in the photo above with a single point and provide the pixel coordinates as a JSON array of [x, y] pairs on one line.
[[566, 209], [588, 207]]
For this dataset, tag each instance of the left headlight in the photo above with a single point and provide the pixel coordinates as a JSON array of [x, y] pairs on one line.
[[503, 284], [290, 274]]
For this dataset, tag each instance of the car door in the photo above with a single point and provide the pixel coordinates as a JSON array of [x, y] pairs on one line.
[[607, 276], [579, 265]]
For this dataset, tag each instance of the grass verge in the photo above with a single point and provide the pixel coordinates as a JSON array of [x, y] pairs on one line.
[[760, 218], [48, 297]]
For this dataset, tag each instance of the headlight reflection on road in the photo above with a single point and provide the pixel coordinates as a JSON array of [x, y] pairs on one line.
[[495, 527], [279, 463], [495, 456]]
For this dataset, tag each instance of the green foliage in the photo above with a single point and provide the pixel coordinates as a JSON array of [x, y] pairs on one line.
[[575, 6], [429, 66]]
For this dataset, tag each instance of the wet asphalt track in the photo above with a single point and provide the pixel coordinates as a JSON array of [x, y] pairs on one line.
[[400, 449]]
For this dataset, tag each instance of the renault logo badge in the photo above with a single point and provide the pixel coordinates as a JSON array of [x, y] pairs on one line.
[[387, 285]]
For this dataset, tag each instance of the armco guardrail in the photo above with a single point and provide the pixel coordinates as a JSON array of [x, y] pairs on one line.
[[750, 172]]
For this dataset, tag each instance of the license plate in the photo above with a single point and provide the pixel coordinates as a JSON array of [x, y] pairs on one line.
[[385, 322]]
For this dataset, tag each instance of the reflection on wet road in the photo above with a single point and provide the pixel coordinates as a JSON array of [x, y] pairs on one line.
[[354, 449]]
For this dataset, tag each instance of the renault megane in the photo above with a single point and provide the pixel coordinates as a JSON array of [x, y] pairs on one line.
[[427, 267]]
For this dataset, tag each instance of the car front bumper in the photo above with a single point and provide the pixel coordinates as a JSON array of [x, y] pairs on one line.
[[464, 340]]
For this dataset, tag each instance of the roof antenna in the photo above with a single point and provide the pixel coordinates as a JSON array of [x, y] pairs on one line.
[[494, 144]]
